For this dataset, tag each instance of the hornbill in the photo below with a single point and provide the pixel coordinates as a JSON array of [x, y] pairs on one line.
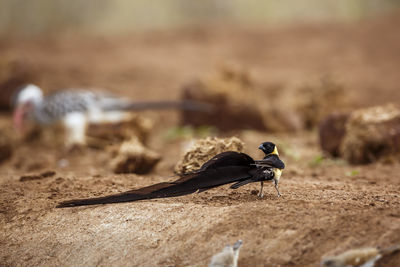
[[224, 168], [76, 108]]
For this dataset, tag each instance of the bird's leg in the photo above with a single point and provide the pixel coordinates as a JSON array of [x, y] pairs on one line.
[[75, 126], [261, 195], [277, 188]]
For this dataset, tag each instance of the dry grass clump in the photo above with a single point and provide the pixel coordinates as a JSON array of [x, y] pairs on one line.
[[314, 103], [232, 93], [231, 82], [331, 133], [281, 119], [134, 157], [372, 134], [100, 135], [242, 103], [203, 150]]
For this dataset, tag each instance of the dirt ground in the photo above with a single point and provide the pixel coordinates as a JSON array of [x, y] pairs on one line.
[[327, 205]]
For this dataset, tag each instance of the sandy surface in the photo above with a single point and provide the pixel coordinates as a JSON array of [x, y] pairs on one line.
[[326, 207]]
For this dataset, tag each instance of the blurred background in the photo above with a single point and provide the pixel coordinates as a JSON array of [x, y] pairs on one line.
[[279, 66], [274, 71], [122, 16], [285, 65], [124, 45]]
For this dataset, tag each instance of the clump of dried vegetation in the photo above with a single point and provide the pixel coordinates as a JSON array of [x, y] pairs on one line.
[[372, 134], [134, 157], [203, 150], [231, 91], [363, 136]]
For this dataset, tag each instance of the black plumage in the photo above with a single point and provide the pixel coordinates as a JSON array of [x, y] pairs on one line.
[[224, 168]]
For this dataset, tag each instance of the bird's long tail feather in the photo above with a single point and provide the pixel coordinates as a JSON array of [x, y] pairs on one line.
[[187, 184], [161, 105], [162, 190], [100, 200]]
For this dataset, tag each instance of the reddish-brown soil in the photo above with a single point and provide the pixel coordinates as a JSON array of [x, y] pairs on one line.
[[327, 205]]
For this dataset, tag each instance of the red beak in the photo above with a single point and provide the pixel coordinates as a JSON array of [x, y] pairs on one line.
[[18, 117]]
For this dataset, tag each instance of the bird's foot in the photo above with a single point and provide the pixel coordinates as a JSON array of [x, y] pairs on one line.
[[260, 195]]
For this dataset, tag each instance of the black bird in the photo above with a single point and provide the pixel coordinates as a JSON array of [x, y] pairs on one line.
[[224, 168], [269, 168]]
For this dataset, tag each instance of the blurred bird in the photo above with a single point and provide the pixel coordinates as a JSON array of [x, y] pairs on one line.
[[363, 257], [228, 257], [224, 168], [75, 109]]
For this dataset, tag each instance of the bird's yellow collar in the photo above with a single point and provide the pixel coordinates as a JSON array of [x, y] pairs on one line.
[[275, 152]]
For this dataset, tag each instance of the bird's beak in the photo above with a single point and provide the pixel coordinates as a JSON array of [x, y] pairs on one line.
[[18, 117], [260, 147]]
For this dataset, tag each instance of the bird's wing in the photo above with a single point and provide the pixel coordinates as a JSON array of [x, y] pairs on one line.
[[216, 177], [124, 104], [216, 173], [271, 161], [56, 105], [229, 158]]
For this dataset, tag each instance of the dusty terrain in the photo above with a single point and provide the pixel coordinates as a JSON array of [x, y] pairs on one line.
[[327, 205]]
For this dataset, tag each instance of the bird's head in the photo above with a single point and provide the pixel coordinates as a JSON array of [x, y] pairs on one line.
[[237, 245], [24, 102], [269, 148], [233, 248]]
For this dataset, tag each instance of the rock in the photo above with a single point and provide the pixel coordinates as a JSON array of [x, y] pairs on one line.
[[281, 119], [231, 91], [331, 132], [372, 134], [203, 150], [134, 157]]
